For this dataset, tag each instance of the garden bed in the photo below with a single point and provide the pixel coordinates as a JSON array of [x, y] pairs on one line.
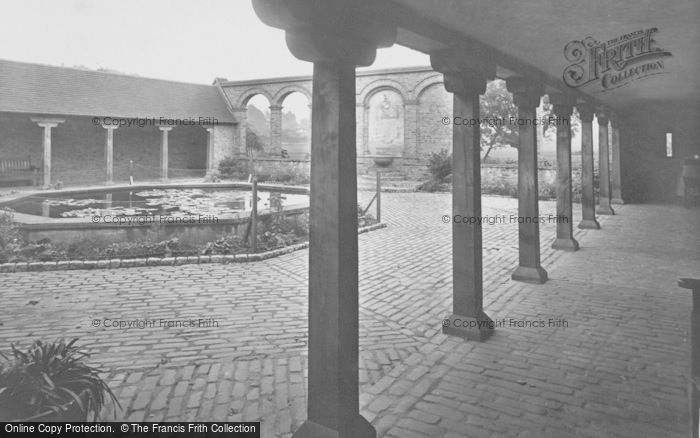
[[131, 262]]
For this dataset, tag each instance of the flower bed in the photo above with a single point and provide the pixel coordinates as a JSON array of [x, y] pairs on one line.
[[278, 235]]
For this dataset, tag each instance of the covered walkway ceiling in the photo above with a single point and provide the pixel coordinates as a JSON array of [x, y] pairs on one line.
[[528, 37]]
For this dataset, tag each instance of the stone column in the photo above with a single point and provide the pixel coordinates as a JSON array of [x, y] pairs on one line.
[[241, 116], [164, 151], [604, 164], [526, 97], [616, 164], [109, 152], [47, 124], [587, 169], [563, 107], [336, 41], [466, 80], [210, 149], [276, 130]]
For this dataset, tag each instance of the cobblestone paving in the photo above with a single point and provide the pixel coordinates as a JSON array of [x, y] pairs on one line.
[[617, 370]]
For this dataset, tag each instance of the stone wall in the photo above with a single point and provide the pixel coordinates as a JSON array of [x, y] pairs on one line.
[[647, 173]]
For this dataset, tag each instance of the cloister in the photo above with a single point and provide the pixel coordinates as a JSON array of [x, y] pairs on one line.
[[521, 317], [339, 36]]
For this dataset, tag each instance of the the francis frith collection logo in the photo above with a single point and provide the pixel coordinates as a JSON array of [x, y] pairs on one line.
[[614, 63]]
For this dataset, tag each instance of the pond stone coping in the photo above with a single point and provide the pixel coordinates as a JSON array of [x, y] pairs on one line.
[[63, 265]]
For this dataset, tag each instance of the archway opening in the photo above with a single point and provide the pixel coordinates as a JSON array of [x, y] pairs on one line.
[[296, 127], [257, 125]]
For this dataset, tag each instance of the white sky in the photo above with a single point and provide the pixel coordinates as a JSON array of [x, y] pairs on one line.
[[182, 40]]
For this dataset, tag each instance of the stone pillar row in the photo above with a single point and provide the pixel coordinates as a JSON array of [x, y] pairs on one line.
[[336, 40], [48, 123]]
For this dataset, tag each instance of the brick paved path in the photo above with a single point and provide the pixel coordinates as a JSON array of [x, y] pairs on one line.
[[617, 370]]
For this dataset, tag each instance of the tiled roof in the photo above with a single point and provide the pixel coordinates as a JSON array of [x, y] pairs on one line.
[[44, 89]]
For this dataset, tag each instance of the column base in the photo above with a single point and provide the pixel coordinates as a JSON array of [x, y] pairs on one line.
[[589, 224], [529, 274], [617, 201], [358, 428], [605, 209], [468, 327], [566, 244]]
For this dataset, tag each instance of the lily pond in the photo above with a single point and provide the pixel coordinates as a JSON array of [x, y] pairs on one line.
[[219, 202]]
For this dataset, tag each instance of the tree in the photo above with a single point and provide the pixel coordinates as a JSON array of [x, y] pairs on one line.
[[496, 106], [253, 144]]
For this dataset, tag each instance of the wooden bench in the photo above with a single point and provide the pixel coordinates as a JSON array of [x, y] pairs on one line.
[[19, 170]]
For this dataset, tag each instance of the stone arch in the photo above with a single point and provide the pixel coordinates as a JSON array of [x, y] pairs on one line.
[[248, 94], [278, 98], [426, 83], [382, 84], [385, 118]]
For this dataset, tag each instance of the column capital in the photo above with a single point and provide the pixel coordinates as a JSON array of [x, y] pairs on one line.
[[585, 112], [463, 73], [326, 31], [526, 93], [276, 107], [603, 115], [47, 122], [563, 104], [108, 126], [165, 128]]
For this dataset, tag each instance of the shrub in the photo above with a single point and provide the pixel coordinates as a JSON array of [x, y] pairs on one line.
[[46, 378], [236, 168], [10, 234], [440, 165], [289, 172], [433, 186], [502, 186]]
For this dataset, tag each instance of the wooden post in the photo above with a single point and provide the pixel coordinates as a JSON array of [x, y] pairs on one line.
[[604, 199], [616, 173], [379, 196], [466, 79], [588, 220], [694, 341], [526, 96], [254, 218], [336, 40], [563, 107]]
